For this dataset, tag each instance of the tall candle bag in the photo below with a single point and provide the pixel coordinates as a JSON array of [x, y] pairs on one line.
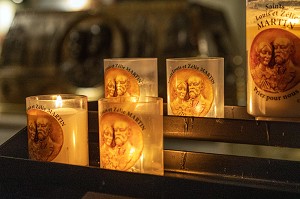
[[57, 127], [195, 86], [124, 77], [131, 134], [273, 51]]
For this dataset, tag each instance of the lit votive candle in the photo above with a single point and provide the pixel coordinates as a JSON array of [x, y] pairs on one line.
[[57, 128], [195, 86], [131, 134]]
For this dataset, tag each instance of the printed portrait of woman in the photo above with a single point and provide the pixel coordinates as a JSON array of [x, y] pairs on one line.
[[273, 64], [191, 93]]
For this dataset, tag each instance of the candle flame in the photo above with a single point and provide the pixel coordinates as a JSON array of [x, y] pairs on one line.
[[58, 102]]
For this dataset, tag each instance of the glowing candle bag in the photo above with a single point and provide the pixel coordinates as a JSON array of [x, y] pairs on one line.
[[57, 127], [131, 134], [273, 52], [124, 77], [195, 86]]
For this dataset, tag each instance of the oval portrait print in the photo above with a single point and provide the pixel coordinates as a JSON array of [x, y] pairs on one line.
[[45, 136], [120, 83], [274, 66], [121, 141], [191, 93]]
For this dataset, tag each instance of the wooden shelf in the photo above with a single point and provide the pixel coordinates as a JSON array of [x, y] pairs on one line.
[[187, 174]]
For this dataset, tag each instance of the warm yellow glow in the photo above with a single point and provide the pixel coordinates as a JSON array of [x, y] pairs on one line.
[[58, 102], [250, 106], [132, 150], [74, 139], [7, 12], [293, 21], [134, 99], [93, 93], [77, 4]]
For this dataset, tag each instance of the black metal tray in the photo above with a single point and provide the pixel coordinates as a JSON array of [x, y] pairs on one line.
[[187, 174]]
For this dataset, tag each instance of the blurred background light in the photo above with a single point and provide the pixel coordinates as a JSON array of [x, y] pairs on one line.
[[7, 12], [77, 4], [17, 1]]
